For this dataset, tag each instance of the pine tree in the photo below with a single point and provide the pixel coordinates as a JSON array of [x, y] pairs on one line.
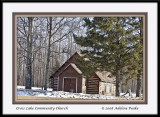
[[135, 67], [112, 45], [138, 55]]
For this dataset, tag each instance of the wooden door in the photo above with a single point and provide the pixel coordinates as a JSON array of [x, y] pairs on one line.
[[70, 85]]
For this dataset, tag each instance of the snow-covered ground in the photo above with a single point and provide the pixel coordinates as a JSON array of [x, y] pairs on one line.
[[37, 91]]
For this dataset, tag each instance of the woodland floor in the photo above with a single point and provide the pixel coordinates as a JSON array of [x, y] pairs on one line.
[[37, 93], [45, 98]]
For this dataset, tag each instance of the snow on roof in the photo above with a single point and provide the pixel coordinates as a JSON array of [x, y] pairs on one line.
[[86, 59], [76, 68], [80, 54], [104, 76]]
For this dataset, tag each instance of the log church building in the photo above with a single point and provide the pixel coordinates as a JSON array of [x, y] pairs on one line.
[[68, 78]]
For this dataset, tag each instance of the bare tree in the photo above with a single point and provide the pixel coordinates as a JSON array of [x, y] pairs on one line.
[[42, 41], [61, 25]]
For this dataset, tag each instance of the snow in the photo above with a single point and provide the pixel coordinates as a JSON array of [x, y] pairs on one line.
[[37, 91], [132, 94], [33, 88]]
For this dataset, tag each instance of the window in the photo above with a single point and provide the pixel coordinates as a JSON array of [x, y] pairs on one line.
[[105, 88]]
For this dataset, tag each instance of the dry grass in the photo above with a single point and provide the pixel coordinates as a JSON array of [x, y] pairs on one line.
[[58, 98], [45, 98]]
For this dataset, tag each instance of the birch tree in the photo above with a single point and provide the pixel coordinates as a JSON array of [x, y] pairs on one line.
[[42, 42], [57, 25]]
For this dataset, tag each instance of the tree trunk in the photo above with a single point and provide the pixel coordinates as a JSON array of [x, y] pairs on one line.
[[70, 52], [117, 83], [23, 75], [59, 50], [33, 70], [29, 56], [139, 71], [138, 86], [48, 56], [24, 68], [18, 71]]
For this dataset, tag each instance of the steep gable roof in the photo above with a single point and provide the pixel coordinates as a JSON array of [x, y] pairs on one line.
[[64, 65], [76, 68], [105, 76]]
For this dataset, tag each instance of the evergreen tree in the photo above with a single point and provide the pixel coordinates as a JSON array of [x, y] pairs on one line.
[[138, 54], [111, 42]]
